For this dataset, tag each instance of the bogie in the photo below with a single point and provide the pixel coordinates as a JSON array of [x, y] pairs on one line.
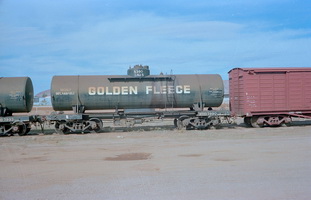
[[270, 120]]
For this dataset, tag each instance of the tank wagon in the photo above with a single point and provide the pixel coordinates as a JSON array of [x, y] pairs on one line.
[[132, 92], [135, 96], [16, 96], [270, 96]]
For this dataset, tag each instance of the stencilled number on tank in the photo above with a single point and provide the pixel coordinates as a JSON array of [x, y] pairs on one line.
[[15, 95], [65, 91], [139, 73]]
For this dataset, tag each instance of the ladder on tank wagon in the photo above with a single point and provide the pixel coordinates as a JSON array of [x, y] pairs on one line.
[[170, 97]]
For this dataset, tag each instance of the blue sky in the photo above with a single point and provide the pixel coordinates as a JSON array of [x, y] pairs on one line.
[[42, 38]]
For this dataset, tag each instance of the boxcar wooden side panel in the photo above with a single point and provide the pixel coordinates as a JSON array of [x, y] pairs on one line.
[[259, 91]]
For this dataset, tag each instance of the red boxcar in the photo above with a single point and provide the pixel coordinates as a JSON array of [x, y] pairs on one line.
[[270, 96]]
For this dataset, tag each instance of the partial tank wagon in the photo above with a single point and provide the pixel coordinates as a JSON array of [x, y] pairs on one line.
[[16, 96]]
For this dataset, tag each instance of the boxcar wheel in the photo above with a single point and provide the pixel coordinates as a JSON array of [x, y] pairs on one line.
[[247, 121], [285, 124], [255, 123]]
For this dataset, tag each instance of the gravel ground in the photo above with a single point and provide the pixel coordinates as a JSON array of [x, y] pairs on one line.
[[159, 163]]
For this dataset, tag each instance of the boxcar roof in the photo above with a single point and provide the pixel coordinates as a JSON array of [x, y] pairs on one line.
[[275, 69]]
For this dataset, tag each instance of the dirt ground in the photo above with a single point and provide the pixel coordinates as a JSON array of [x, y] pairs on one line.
[[159, 162]]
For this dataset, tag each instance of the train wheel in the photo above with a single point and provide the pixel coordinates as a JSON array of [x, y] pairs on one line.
[[285, 124], [247, 121], [27, 130], [180, 122], [60, 128], [6, 130], [176, 122], [3, 130], [99, 125], [22, 129], [198, 123], [254, 122]]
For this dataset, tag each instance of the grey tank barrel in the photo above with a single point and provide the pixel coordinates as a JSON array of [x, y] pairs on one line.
[[16, 94], [132, 92]]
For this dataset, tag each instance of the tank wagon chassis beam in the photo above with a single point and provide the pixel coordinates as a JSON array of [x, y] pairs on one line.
[[182, 119], [77, 123]]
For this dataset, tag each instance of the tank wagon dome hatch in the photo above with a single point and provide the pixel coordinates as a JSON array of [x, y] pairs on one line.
[[139, 71]]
